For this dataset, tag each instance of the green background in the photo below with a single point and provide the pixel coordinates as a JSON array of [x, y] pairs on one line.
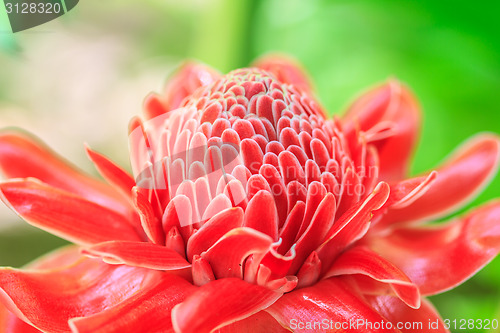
[[448, 52]]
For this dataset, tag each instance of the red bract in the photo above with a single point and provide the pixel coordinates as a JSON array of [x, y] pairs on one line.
[[249, 211]]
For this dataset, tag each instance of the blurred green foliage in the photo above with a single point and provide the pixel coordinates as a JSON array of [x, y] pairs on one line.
[[24, 244], [7, 41], [448, 52]]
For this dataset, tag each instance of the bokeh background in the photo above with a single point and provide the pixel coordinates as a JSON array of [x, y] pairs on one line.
[[81, 77]]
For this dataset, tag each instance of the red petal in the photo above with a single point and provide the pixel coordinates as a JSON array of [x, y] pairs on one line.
[[151, 225], [290, 168], [404, 193], [9, 323], [360, 260], [278, 264], [261, 322], [285, 70], [275, 181], [216, 205], [291, 227], [23, 155], [201, 271], [316, 192], [261, 214], [394, 104], [349, 191], [113, 173], [149, 310], [329, 299], [139, 254], [214, 229], [352, 225], [309, 271], [189, 77], [179, 213], [175, 242], [47, 299], [459, 179], [437, 258], [65, 214], [419, 320], [154, 106], [229, 253], [315, 233], [252, 155], [220, 303]]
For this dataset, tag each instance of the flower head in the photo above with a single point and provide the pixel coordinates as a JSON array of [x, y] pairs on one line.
[[248, 209]]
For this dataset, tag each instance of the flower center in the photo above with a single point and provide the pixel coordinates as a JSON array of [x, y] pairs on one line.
[[250, 141]]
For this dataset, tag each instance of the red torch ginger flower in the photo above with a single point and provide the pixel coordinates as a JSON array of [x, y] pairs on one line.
[[249, 211]]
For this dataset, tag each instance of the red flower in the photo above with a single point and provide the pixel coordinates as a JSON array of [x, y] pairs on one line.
[[250, 212]]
